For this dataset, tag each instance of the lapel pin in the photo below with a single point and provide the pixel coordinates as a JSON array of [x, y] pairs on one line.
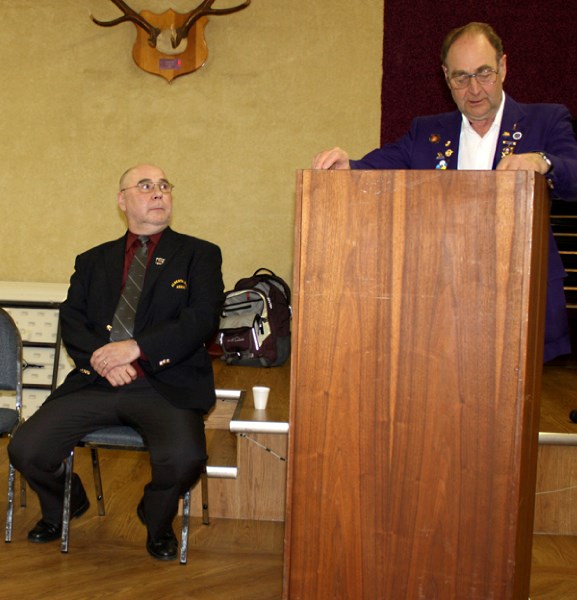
[[159, 261], [179, 284]]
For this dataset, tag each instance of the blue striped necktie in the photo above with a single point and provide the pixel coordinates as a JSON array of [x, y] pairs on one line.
[[123, 321]]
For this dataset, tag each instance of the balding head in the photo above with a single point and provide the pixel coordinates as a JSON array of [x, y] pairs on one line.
[[147, 212]]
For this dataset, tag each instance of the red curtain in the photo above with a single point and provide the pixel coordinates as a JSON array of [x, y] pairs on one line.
[[540, 40]]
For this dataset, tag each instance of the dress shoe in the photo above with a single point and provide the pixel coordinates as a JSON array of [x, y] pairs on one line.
[[44, 532], [48, 532], [164, 548]]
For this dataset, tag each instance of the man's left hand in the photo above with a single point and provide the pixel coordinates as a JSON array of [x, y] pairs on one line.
[[122, 375], [530, 161]]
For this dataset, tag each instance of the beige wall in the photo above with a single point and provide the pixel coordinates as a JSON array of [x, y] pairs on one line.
[[284, 79]]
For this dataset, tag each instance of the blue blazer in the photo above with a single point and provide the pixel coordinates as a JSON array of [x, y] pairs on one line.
[[177, 313], [433, 143]]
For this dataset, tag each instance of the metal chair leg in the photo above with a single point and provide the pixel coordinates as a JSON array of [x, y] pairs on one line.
[[22, 492], [186, 516], [69, 465], [97, 481], [185, 525], [10, 509], [204, 496]]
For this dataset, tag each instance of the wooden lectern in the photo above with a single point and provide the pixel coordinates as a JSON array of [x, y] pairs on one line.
[[417, 354]]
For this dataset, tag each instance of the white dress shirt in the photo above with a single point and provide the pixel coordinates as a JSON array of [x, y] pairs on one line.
[[477, 153]]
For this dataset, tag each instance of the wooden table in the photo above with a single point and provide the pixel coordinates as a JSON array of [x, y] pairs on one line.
[[246, 419]]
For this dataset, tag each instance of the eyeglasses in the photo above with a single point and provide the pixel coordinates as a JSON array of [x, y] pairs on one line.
[[146, 187], [483, 77]]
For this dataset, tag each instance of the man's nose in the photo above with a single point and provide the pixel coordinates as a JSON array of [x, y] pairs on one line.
[[474, 86]]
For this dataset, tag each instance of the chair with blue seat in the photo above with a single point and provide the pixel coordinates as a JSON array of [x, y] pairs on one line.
[[11, 366], [121, 438]]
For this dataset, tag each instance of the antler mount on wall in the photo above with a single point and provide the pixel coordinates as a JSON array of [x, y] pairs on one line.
[[169, 44]]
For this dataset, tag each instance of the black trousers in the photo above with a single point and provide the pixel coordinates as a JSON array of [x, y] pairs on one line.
[[175, 439]]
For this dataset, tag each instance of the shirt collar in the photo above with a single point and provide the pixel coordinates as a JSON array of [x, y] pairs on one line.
[[496, 124], [132, 237]]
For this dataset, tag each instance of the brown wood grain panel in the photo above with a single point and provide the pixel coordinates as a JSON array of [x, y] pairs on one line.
[[418, 301], [556, 498]]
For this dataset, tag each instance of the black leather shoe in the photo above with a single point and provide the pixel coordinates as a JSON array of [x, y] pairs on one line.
[[44, 532], [48, 532], [165, 548]]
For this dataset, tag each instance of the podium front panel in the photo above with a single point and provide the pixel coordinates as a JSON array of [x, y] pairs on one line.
[[417, 348]]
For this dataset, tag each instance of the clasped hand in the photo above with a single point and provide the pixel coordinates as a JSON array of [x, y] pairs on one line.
[[113, 362]]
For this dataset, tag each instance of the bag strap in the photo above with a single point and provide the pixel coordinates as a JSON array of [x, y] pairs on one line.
[[263, 273], [258, 272]]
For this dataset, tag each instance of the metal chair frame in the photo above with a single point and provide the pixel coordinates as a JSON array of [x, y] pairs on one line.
[[11, 366], [122, 438]]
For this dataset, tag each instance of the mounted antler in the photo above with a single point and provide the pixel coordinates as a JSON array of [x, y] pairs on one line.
[[132, 16], [203, 9], [167, 51]]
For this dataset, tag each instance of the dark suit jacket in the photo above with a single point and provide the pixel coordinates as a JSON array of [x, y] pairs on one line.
[[433, 143], [177, 313]]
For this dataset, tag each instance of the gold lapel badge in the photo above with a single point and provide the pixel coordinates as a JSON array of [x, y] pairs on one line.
[[179, 284]]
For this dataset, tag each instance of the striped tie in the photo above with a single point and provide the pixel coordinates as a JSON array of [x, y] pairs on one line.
[[123, 321]]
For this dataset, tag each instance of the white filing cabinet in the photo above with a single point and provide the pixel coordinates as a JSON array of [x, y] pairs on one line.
[[34, 308]]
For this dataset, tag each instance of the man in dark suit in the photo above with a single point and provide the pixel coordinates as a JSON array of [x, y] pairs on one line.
[[488, 131], [156, 375]]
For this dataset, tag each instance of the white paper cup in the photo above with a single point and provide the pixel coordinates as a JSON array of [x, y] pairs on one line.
[[260, 396]]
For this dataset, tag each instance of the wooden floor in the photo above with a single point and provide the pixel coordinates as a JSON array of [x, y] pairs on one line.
[[240, 560], [554, 569], [232, 560]]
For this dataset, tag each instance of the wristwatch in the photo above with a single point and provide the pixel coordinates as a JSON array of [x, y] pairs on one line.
[[547, 160]]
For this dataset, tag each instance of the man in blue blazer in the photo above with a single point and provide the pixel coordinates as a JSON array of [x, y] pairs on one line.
[[488, 131], [156, 376]]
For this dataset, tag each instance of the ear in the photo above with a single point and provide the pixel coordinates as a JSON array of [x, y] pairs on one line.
[[121, 201], [503, 67], [446, 74]]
